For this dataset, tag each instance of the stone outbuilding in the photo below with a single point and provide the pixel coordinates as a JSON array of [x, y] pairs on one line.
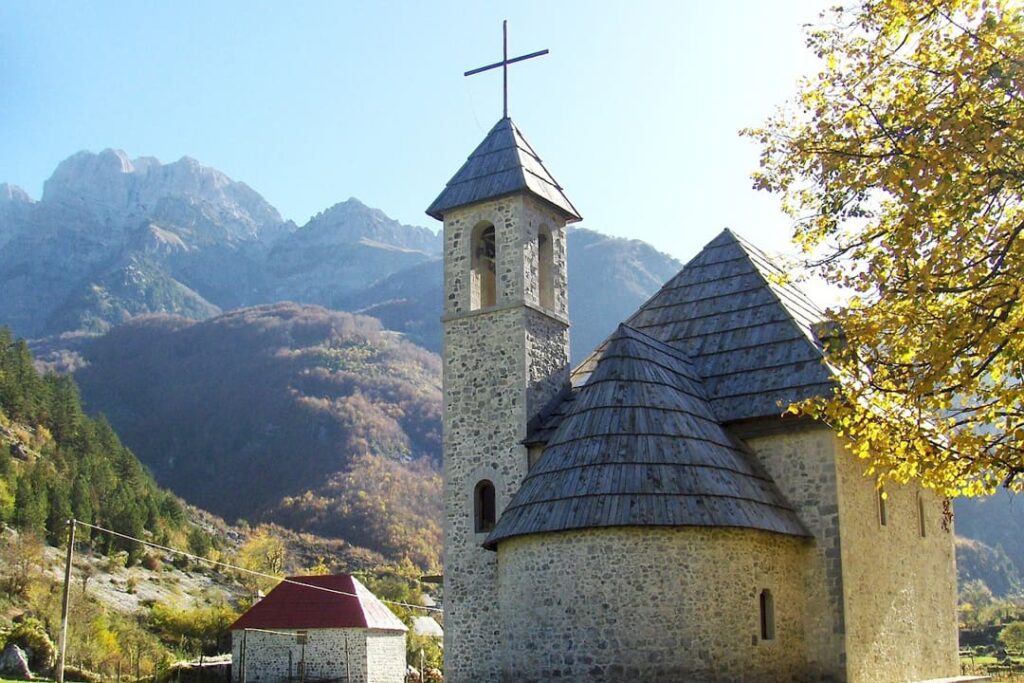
[[651, 515], [318, 628]]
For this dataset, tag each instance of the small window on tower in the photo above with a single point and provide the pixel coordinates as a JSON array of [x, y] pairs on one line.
[[483, 291], [483, 507], [545, 268], [883, 517], [767, 615]]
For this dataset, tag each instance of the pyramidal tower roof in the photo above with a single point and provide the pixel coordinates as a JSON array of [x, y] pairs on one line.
[[503, 164]]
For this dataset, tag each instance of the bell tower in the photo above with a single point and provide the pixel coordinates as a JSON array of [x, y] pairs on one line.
[[506, 357]]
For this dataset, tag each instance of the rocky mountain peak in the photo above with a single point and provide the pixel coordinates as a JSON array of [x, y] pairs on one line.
[[12, 194], [352, 221], [114, 190], [15, 205]]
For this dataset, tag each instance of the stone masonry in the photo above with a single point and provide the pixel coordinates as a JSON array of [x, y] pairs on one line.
[[349, 655], [899, 586], [802, 463], [502, 365], [651, 605], [881, 599]]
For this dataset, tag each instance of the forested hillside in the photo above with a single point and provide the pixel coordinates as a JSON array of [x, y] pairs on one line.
[[319, 420], [57, 463]]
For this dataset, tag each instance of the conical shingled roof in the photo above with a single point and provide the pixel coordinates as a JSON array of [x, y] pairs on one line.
[[640, 446], [503, 164], [749, 337]]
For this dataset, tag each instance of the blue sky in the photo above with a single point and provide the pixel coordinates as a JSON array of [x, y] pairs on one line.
[[635, 111]]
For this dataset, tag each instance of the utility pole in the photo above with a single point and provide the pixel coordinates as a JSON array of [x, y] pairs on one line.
[[64, 604]]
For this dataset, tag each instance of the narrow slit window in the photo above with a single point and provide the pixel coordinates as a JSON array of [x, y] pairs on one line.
[[545, 269], [883, 517], [484, 285], [921, 526], [483, 507], [767, 615]]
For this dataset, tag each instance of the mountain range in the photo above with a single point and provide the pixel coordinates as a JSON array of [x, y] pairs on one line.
[[113, 238], [161, 287]]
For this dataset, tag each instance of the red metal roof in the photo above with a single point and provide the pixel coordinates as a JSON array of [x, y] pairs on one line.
[[308, 602]]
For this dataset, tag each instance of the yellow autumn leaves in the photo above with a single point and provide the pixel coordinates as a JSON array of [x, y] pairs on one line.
[[902, 164]]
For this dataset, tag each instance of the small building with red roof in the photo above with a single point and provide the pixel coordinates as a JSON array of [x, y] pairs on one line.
[[318, 628]]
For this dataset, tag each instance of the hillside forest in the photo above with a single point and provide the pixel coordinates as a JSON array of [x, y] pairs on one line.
[[136, 607]]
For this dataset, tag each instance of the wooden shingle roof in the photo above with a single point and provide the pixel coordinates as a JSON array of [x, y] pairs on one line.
[[503, 164], [749, 337], [639, 445]]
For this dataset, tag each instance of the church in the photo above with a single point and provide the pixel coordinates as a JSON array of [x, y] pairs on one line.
[[651, 515]]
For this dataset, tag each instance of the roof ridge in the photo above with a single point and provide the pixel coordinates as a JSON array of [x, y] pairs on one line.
[[520, 166], [666, 284], [651, 382], [358, 588], [662, 346], [518, 135], [753, 252]]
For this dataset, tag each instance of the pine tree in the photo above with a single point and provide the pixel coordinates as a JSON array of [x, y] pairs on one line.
[[30, 506]]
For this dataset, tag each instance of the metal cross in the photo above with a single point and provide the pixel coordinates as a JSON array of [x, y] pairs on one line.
[[505, 61]]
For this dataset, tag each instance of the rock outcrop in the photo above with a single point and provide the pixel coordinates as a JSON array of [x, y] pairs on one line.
[[14, 663]]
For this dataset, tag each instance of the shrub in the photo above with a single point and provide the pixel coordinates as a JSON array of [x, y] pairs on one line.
[[118, 560], [1012, 636], [76, 673]]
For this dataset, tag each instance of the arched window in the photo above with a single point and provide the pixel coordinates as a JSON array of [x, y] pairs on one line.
[[767, 615], [483, 507], [545, 268], [883, 518], [483, 292], [921, 526]]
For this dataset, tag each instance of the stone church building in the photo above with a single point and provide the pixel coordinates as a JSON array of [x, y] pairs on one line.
[[650, 516]]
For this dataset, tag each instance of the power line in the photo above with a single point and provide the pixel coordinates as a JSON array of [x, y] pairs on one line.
[[291, 634], [245, 570]]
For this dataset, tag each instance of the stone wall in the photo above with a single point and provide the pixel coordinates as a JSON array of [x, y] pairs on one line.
[[652, 604], [881, 599], [899, 587], [349, 655], [801, 460], [484, 404], [501, 365], [385, 657]]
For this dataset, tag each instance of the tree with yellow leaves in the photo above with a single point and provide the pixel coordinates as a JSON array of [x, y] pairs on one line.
[[902, 163], [264, 553]]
